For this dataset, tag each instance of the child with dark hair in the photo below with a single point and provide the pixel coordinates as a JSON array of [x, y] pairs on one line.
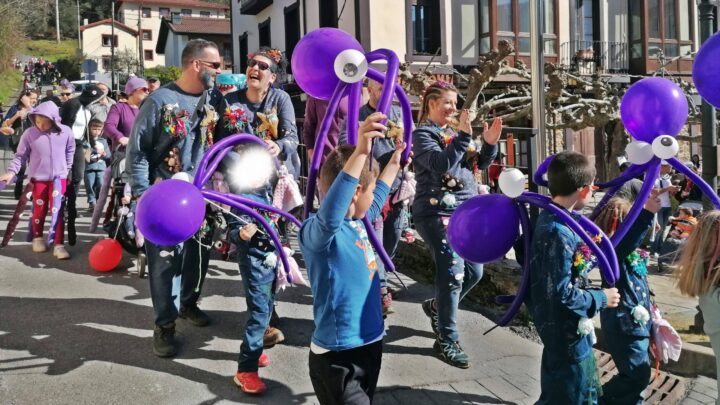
[[560, 293], [97, 158], [346, 348], [627, 328]]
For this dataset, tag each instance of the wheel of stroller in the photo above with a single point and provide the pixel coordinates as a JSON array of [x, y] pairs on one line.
[[142, 264]]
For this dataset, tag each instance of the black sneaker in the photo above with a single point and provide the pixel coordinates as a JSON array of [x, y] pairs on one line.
[[194, 315], [164, 341], [430, 310], [451, 353]]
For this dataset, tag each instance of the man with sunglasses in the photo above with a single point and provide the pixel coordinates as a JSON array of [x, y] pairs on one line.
[[171, 123], [50, 96]]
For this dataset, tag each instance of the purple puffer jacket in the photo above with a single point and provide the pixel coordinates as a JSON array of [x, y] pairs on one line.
[[49, 154]]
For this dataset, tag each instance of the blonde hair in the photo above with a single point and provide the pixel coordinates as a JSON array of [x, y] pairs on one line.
[[698, 270], [433, 92], [612, 215]]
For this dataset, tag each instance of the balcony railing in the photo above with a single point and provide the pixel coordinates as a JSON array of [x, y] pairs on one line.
[[594, 57]]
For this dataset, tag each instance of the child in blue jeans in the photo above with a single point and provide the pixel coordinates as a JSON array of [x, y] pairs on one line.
[[346, 348], [560, 293]]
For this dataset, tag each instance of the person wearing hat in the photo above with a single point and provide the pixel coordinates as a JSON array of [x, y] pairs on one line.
[[665, 189], [48, 147], [101, 107], [122, 116], [76, 115], [153, 84]]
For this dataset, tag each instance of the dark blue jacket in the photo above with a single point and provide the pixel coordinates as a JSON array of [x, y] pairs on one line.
[[433, 159]]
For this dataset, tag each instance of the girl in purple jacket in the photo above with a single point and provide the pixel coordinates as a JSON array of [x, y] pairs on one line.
[[48, 148]]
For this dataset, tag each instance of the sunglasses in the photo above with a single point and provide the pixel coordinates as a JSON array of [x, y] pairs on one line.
[[66, 94], [260, 64], [214, 65]]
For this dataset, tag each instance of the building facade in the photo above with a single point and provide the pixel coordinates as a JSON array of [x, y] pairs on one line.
[[97, 40], [145, 16]]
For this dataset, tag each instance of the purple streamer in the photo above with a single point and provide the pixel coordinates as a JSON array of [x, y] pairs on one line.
[[393, 66], [650, 176], [609, 270], [57, 210], [519, 298], [339, 92], [379, 248], [223, 199], [255, 204], [629, 173], [699, 181], [218, 151], [353, 114]]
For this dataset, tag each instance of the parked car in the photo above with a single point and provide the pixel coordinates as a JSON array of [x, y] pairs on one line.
[[80, 85]]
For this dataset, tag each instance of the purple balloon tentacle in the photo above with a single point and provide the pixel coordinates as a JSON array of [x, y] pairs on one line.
[[255, 204], [605, 245], [628, 174], [224, 199], [525, 279], [391, 73], [608, 269], [541, 170], [206, 169], [650, 175], [353, 114], [339, 92], [406, 111], [699, 181], [379, 248]]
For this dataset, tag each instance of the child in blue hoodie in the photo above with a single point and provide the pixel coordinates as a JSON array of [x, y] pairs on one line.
[[346, 348]]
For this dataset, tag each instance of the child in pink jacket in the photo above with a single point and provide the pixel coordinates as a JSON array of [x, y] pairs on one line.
[[48, 148]]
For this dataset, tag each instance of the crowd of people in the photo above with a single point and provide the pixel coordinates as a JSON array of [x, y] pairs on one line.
[[163, 132]]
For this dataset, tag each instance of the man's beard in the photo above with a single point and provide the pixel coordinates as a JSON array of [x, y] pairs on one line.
[[207, 79]]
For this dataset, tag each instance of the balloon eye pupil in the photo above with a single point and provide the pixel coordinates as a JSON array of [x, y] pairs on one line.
[[350, 70], [666, 141]]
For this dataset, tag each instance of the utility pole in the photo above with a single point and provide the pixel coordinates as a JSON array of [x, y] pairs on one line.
[[57, 20], [112, 46], [78, 12], [706, 10], [537, 82], [141, 67]]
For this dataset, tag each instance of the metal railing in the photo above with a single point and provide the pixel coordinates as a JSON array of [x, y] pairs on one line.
[[595, 57]]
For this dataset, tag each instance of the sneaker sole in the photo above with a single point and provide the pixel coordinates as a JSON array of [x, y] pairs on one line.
[[442, 357], [164, 355], [245, 390]]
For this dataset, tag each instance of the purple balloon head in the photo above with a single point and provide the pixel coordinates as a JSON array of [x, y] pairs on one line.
[[705, 70], [652, 107], [170, 212], [484, 228], [313, 60]]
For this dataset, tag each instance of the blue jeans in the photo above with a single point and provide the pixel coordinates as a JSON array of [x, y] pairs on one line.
[[259, 299], [93, 184], [630, 354], [663, 216], [164, 263], [454, 277], [569, 383], [388, 232]]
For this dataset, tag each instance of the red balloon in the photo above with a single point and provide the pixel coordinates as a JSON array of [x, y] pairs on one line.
[[105, 255]]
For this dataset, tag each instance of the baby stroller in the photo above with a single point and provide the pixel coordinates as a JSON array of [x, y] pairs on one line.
[[681, 226], [119, 218]]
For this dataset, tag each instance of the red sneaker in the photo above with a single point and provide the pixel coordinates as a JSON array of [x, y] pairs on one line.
[[264, 360], [249, 383]]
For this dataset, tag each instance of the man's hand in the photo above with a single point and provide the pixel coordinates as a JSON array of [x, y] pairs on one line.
[[613, 297], [370, 129], [123, 141], [273, 147], [491, 135], [247, 231]]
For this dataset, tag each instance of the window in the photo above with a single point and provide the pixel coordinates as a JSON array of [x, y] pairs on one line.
[[106, 41], [106, 61], [425, 16], [146, 12], [147, 35], [243, 41], [186, 12], [669, 27], [292, 30], [164, 12], [175, 17], [328, 13], [264, 33], [204, 14], [513, 24], [148, 54]]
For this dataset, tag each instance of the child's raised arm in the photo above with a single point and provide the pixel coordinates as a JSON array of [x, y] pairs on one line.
[[370, 129]]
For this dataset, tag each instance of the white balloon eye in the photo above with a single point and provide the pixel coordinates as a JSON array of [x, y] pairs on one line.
[[639, 152], [665, 147], [512, 182], [350, 66]]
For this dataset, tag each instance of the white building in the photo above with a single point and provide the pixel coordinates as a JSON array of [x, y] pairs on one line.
[[97, 44], [145, 17], [175, 34]]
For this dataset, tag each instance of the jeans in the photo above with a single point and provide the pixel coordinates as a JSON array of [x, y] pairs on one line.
[[630, 354], [569, 383], [76, 176], [259, 299], [454, 277], [93, 184], [663, 216], [187, 259], [388, 231]]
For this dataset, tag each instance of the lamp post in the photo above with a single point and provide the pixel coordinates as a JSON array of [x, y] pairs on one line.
[[709, 121]]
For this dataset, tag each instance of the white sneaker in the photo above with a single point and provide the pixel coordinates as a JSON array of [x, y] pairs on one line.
[[60, 252], [38, 245]]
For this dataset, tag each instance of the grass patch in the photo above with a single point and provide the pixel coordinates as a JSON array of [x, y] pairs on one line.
[[50, 49], [10, 83]]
